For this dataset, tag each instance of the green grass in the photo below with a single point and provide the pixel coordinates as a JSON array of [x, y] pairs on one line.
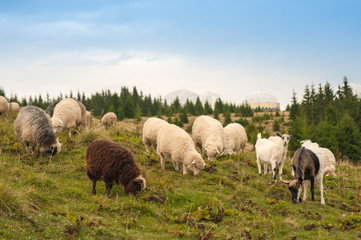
[[51, 199]]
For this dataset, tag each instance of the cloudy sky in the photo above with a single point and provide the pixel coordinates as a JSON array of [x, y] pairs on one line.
[[232, 48]]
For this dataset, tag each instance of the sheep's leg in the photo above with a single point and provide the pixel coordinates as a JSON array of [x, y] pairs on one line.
[[185, 171], [175, 164], [147, 147], [313, 188], [108, 187], [259, 165], [94, 184], [70, 132], [305, 186], [162, 161], [321, 191], [27, 148], [273, 164]]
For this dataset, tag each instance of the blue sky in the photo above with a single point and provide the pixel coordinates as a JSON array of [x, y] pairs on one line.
[[231, 48]]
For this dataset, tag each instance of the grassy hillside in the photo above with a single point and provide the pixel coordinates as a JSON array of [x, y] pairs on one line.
[[42, 198]]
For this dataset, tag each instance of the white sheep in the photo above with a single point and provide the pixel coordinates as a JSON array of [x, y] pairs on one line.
[[109, 120], [235, 138], [68, 114], [208, 135], [175, 143], [14, 107], [330, 162], [4, 107], [150, 132], [33, 127], [272, 152], [329, 159]]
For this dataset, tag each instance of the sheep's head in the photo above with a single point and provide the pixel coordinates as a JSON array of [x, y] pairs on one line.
[[212, 152], [295, 187], [52, 149], [136, 185], [196, 164], [57, 125], [285, 138], [229, 152]]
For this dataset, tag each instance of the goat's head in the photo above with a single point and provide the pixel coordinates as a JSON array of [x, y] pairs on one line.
[[295, 187], [285, 138]]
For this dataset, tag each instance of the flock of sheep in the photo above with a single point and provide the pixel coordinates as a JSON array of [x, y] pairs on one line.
[[111, 163]]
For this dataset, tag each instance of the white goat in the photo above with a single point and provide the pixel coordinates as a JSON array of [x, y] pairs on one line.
[[272, 153]]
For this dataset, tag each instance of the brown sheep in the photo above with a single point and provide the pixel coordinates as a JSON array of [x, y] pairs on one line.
[[110, 162]]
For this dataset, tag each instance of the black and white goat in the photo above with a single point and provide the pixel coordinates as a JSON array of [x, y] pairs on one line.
[[307, 164]]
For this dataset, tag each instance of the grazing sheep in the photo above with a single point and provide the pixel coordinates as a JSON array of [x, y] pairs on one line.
[[109, 120], [33, 127], [67, 115], [50, 109], [110, 163], [88, 119], [330, 162], [329, 159], [272, 152], [150, 132], [14, 107], [235, 138], [83, 113], [4, 107], [208, 135], [175, 143], [307, 164]]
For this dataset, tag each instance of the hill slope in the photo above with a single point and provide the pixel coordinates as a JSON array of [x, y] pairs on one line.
[[42, 198]]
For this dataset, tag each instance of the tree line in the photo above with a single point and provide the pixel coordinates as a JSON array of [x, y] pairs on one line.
[[330, 118], [134, 104]]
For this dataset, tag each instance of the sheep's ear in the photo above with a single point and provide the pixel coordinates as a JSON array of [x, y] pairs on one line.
[[278, 134], [194, 162]]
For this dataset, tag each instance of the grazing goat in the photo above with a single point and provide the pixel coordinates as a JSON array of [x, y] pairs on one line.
[[307, 164], [272, 153]]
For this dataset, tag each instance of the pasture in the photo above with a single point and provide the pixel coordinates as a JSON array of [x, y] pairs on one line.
[[43, 198]]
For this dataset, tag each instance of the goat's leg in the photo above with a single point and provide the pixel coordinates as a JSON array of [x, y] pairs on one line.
[[265, 166], [259, 165], [280, 172], [305, 186], [273, 164], [313, 188]]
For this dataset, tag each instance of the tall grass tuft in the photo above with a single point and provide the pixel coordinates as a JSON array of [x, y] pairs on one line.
[[12, 201], [89, 135]]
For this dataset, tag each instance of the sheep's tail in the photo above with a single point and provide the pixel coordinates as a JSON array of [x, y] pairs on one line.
[[259, 136]]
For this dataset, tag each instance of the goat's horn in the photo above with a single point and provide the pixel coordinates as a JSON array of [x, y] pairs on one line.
[[285, 182]]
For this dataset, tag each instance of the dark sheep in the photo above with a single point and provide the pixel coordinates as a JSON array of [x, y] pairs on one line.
[[33, 127], [110, 163], [50, 109]]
